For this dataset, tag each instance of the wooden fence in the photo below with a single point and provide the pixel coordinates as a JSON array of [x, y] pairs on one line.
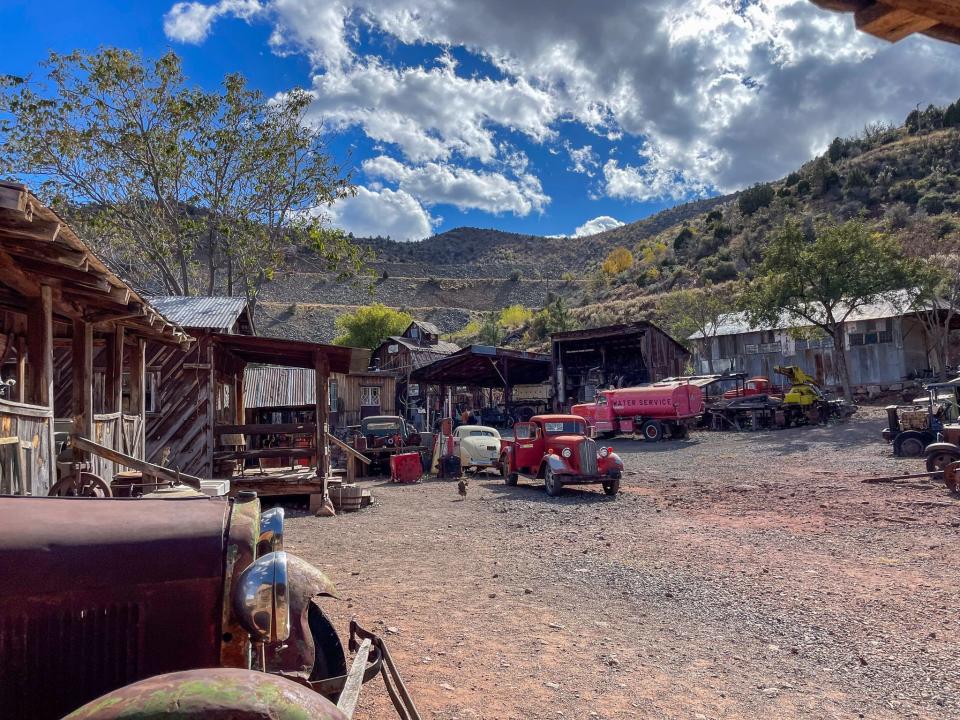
[[116, 431], [27, 467]]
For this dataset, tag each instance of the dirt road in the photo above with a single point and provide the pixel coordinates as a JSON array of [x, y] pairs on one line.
[[735, 576]]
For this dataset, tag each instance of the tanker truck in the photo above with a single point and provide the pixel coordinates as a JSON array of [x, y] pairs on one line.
[[654, 411]]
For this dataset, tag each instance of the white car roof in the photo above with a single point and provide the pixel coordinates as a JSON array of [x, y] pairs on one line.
[[466, 428]]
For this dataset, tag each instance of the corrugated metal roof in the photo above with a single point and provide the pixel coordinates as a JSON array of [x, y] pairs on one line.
[[427, 327], [441, 347], [206, 313], [738, 323], [278, 387]]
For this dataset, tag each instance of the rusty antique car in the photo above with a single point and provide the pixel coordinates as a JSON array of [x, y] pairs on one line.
[[558, 449], [138, 607]]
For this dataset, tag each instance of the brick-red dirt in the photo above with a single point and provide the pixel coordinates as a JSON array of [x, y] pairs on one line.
[[735, 576]]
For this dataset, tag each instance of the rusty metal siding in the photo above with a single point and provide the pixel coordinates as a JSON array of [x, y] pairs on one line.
[[275, 387]]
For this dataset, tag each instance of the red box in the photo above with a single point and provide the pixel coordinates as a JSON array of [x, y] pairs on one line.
[[405, 468]]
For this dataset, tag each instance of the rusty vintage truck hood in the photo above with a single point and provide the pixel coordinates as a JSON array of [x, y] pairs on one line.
[[50, 545]]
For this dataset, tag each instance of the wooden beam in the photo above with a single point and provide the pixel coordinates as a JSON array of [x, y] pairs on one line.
[[21, 389], [71, 275], [55, 251], [46, 393], [113, 381], [321, 367], [89, 446], [82, 371], [23, 224], [266, 429], [12, 274], [138, 391], [13, 198], [940, 11], [890, 23]]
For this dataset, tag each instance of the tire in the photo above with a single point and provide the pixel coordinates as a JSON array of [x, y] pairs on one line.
[[510, 478], [652, 431], [939, 459], [910, 444], [612, 486], [551, 482], [90, 485]]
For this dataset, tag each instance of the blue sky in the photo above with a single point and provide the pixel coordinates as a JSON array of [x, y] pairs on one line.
[[537, 117]]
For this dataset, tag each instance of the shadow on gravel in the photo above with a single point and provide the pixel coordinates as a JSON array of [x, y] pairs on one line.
[[532, 491], [838, 435], [627, 445]]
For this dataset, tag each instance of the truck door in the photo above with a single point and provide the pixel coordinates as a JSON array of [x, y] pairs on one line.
[[527, 441]]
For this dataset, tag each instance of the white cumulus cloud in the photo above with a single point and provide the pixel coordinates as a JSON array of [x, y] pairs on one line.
[[436, 183], [599, 224], [384, 213], [190, 22]]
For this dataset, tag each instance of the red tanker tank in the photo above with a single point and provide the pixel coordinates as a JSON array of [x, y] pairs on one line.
[[655, 411]]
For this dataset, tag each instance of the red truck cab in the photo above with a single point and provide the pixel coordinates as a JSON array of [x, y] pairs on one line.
[[754, 386], [558, 449]]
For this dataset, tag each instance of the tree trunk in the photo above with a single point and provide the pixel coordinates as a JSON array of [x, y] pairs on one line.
[[709, 351], [840, 360]]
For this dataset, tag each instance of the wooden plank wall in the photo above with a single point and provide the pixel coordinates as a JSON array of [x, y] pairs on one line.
[[348, 395], [664, 357], [31, 424], [182, 422]]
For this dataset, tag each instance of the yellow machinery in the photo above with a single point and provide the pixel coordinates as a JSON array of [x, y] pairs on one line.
[[803, 391]]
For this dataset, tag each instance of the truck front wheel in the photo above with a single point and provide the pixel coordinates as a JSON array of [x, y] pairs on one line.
[[510, 478], [612, 486], [552, 482]]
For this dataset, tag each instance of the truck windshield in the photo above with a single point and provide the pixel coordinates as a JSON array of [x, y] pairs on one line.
[[601, 400], [381, 428], [569, 427]]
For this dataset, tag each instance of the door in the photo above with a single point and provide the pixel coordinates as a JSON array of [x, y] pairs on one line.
[[369, 400], [528, 447]]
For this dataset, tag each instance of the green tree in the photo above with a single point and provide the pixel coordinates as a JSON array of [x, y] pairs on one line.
[[823, 280], [184, 191], [514, 316], [554, 317], [754, 198], [696, 311], [369, 326], [934, 294], [490, 331]]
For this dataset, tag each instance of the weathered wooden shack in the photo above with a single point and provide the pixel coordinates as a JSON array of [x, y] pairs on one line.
[[611, 356], [401, 355], [62, 309], [198, 423], [282, 394]]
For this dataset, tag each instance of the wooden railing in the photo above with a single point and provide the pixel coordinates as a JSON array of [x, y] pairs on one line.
[[35, 454]]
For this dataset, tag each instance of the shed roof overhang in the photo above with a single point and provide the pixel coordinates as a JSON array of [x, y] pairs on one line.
[[894, 20], [292, 353], [485, 366], [38, 248]]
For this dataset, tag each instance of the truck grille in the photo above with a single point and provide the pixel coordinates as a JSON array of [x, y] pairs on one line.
[[588, 457], [55, 661]]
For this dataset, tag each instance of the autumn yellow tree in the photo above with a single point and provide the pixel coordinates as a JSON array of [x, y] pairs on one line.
[[619, 260]]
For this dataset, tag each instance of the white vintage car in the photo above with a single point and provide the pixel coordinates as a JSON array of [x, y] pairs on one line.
[[478, 445]]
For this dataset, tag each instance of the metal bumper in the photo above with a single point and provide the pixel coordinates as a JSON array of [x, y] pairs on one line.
[[585, 479]]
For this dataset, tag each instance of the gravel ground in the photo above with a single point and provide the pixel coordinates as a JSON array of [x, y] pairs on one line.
[[747, 575]]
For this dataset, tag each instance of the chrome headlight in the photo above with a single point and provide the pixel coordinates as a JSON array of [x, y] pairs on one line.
[[566, 452], [261, 598], [271, 531], [604, 452]]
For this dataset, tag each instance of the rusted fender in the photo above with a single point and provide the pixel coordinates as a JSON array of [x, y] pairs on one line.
[[298, 653], [212, 694]]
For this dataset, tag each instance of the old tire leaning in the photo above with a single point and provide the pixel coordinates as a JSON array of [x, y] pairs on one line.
[[551, 482], [910, 444], [652, 431], [937, 461]]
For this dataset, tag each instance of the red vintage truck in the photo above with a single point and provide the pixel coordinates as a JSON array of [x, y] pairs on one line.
[[558, 449], [755, 386], [654, 410]]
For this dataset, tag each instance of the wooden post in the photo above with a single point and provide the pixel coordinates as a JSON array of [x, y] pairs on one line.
[[45, 393], [113, 383], [138, 389], [82, 358], [238, 398], [321, 378], [211, 408], [21, 388]]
